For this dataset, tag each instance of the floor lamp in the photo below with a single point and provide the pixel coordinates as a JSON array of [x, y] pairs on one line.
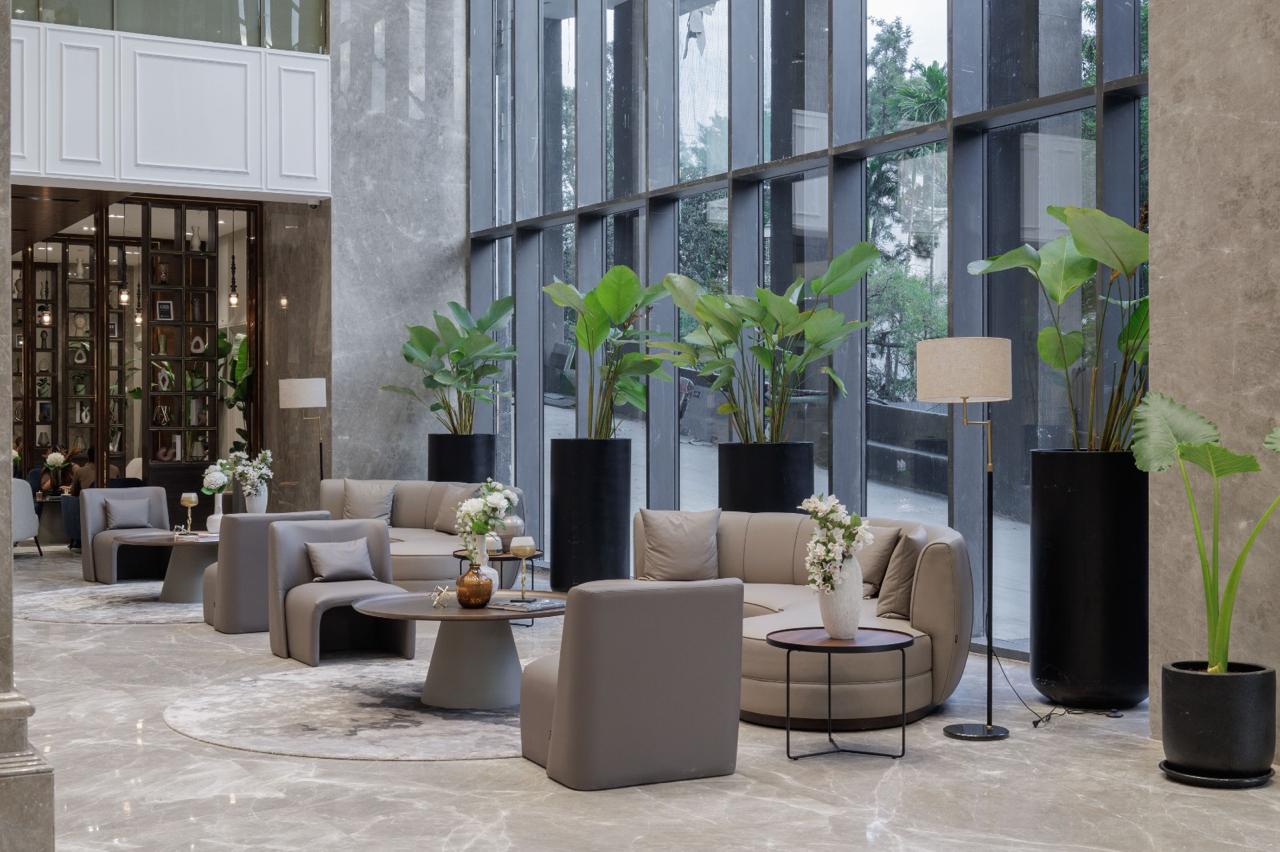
[[306, 393], [965, 370]]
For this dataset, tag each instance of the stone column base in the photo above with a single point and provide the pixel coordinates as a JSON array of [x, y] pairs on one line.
[[26, 783]]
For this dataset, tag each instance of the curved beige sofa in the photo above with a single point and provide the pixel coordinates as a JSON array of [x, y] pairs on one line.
[[766, 551]]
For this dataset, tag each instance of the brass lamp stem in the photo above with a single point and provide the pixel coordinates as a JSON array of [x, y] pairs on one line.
[[986, 427]]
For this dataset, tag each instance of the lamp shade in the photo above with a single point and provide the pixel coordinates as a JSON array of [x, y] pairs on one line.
[[956, 369], [303, 393]]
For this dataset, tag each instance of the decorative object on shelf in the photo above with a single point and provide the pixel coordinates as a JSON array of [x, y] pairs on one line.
[[164, 310], [113, 326], [122, 297], [80, 355], [474, 588], [1088, 571], [42, 438], [198, 345], [1219, 716], [80, 324], [164, 375], [46, 316], [524, 547], [480, 515], [834, 570], [510, 527], [193, 240], [252, 475], [217, 479], [189, 500], [44, 387], [308, 394], [163, 415], [769, 341], [965, 370]]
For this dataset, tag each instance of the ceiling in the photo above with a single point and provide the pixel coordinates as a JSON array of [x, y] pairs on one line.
[[40, 212]]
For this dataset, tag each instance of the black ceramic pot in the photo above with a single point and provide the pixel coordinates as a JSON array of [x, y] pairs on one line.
[[1219, 730], [460, 458], [765, 477], [1088, 578], [590, 510]]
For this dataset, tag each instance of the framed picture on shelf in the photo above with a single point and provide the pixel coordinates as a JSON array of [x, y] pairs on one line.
[[113, 326], [164, 310], [44, 412]]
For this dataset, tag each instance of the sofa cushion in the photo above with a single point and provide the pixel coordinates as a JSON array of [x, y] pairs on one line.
[[895, 591], [423, 555], [767, 598], [337, 561], [447, 517], [874, 558], [368, 498], [129, 514], [680, 545]]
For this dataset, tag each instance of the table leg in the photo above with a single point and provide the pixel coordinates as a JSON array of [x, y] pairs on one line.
[[474, 665], [835, 746], [184, 577]]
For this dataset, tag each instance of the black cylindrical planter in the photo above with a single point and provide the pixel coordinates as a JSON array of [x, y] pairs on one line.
[[1088, 578], [765, 477], [1219, 730], [460, 458], [590, 510]]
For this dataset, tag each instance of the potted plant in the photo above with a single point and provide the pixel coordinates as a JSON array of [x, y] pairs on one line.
[[235, 376], [1088, 569], [591, 475], [252, 475], [216, 480], [1218, 716], [759, 350], [459, 362]]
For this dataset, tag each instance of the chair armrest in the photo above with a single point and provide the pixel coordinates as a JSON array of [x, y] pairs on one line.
[[942, 606]]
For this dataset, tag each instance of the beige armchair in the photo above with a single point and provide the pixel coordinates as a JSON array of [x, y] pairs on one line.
[[99, 552], [644, 689], [306, 618], [235, 587]]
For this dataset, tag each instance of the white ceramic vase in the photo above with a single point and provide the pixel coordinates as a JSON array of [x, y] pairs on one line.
[[256, 503], [214, 523], [841, 608]]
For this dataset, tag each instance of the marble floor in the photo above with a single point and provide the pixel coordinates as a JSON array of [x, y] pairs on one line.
[[126, 781]]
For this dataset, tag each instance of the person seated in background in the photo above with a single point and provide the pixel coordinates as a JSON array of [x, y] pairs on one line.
[[84, 474]]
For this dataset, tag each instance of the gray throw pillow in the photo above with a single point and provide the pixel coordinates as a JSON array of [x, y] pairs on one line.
[[369, 499], [127, 514], [680, 545], [874, 558], [447, 517], [895, 591], [332, 561]]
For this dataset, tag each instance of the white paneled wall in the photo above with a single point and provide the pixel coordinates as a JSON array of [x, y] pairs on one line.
[[145, 112]]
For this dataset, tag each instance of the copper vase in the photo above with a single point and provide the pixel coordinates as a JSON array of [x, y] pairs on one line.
[[474, 588]]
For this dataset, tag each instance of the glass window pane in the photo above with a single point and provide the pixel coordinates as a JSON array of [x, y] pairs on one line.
[[226, 21], [702, 45], [1030, 166], [1038, 48], [1142, 35], [505, 408], [559, 362], [794, 88], [559, 154], [73, 13], [502, 112], [623, 96], [296, 25], [906, 64], [624, 244], [703, 245], [907, 442], [26, 10]]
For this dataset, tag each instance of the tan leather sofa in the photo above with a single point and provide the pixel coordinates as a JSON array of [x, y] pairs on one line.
[[421, 557], [766, 551]]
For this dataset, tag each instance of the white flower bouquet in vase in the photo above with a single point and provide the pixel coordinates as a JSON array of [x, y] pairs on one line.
[[216, 481], [252, 475], [480, 517], [831, 565]]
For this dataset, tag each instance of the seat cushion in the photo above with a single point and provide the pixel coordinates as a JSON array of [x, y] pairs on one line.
[[318, 597], [423, 555], [767, 598]]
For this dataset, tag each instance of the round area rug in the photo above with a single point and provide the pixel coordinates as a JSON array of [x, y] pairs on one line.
[[94, 603], [368, 710]]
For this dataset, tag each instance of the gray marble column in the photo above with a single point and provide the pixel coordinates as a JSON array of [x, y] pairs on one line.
[[26, 781], [399, 215], [1214, 303]]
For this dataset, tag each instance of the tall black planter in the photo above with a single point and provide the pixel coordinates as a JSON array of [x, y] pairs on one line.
[[460, 458], [765, 477], [590, 510], [1219, 730], [1088, 578]]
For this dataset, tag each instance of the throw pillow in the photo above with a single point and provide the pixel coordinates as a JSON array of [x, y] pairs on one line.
[[447, 517], [874, 558], [332, 561], [127, 514], [680, 545], [895, 591], [368, 499]]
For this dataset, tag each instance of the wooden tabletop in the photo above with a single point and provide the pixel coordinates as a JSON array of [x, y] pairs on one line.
[[164, 538], [503, 556], [869, 640], [418, 607]]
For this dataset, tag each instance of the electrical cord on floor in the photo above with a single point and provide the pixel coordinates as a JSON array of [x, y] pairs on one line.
[[1054, 711]]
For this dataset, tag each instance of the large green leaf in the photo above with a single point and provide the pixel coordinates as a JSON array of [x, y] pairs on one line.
[[835, 380], [846, 269], [448, 332], [1022, 257], [1135, 338], [1272, 441], [1063, 269], [462, 317], [684, 291], [619, 293], [825, 325], [1108, 240], [1160, 424], [1059, 351], [652, 294], [779, 307], [592, 326], [497, 314], [1217, 460], [564, 295]]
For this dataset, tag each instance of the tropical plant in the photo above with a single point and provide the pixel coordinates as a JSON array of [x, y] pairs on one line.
[[459, 362], [1061, 267], [613, 338], [1167, 433], [759, 348], [235, 376]]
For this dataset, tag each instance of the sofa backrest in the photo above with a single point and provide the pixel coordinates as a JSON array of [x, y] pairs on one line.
[[415, 504]]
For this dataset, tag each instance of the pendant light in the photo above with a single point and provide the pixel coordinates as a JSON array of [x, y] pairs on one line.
[[233, 295]]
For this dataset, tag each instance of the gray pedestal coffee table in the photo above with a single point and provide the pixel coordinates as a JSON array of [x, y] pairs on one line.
[[474, 665], [191, 554]]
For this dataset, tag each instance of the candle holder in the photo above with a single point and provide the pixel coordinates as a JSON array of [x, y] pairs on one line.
[[190, 500], [524, 547]]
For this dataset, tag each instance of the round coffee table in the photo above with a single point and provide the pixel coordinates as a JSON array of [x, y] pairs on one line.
[[870, 640], [191, 554], [474, 664]]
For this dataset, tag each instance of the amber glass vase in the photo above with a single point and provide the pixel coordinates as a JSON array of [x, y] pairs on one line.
[[474, 588]]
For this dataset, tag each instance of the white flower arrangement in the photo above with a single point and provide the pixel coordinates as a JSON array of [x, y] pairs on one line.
[[55, 461], [217, 477], [250, 474], [479, 515], [839, 533]]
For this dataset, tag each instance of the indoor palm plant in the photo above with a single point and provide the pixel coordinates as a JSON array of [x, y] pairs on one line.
[[1088, 570], [591, 475], [1218, 716], [759, 350], [460, 362]]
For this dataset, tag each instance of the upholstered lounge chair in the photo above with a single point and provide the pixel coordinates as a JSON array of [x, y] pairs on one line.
[[25, 521], [100, 553], [307, 618], [644, 689]]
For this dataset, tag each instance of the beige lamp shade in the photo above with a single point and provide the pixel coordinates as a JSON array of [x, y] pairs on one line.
[[303, 393], [956, 369]]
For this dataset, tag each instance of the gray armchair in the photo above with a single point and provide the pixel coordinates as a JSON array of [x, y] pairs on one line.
[[307, 618], [235, 587], [645, 687], [26, 523], [99, 549]]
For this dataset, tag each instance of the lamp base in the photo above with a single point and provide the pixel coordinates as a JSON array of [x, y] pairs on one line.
[[975, 731]]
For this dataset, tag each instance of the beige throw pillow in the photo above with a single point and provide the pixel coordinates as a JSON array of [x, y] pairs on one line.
[[874, 558], [680, 545], [447, 517], [369, 499], [895, 591]]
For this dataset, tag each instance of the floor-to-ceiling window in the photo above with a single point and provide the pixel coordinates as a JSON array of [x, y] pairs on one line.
[[745, 143]]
